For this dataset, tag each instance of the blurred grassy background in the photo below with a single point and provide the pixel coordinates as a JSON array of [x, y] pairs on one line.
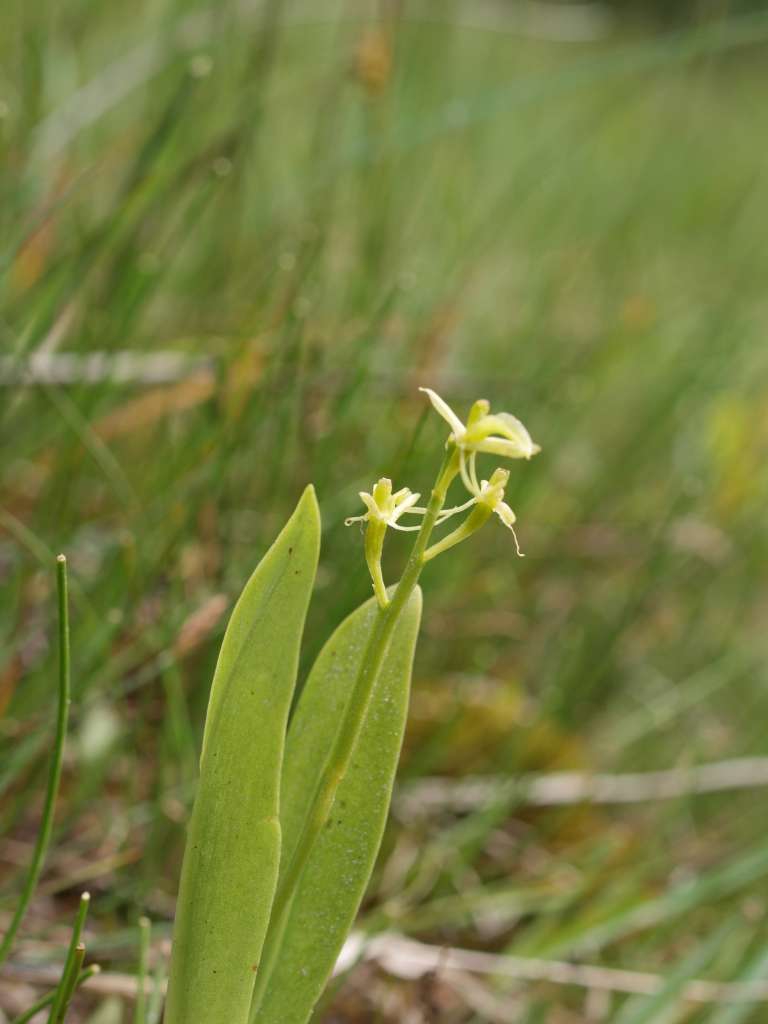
[[235, 239]]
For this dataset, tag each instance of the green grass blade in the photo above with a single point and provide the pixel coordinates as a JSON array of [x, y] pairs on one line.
[[588, 934], [74, 971], [755, 970], [44, 1001], [54, 774], [232, 853], [299, 960], [140, 1006], [72, 965], [665, 1005]]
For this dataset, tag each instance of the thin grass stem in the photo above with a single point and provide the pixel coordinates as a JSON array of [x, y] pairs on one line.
[[140, 1007], [49, 997], [70, 982], [157, 994], [72, 964], [54, 774]]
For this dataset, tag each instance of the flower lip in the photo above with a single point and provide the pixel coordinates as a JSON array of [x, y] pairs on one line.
[[491, 494]]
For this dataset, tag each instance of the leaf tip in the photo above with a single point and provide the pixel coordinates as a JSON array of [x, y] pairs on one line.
[[308, 502]]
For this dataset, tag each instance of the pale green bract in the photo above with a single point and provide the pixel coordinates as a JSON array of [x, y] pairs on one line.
[[338, 871], [232, 854]]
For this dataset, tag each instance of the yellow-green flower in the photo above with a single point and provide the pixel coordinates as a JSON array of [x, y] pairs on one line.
[[493, 433], [498, 433], [384, 510], [488, 500], [385, 507], [484, 432], [491, 495]]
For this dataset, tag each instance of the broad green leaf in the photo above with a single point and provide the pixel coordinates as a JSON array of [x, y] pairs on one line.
[[232, 853], [340, 865]]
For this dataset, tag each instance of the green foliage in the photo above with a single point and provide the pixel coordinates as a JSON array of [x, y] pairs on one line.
[[54, 771], [72, 972], [664, 1006], [324, 906], [233, 844], [309, 810]]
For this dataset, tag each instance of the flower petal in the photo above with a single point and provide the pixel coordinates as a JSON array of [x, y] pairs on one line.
[[518, 430], [504, 425], [445, 411], [505, 514], [507, 449], [403, 506], [382, 491], [479, 409], [370, 502]]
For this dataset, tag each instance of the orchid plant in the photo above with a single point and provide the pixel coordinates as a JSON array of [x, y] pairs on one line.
[[289, 816]]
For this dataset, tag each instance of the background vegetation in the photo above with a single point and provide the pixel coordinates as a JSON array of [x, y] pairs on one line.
[[235, 239]]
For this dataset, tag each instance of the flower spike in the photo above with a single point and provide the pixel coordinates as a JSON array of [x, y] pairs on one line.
[[484, 432]]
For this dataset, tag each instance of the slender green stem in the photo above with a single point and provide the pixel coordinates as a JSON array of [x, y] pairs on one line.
[[70, 982], [374, 544], [72, 965], [476, 519], [140, 1007], [156, 996], [47, 999], [54, 774], [352, 723]]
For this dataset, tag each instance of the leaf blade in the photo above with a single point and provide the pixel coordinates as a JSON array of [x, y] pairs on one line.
[[339, 868], [232, 854]]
